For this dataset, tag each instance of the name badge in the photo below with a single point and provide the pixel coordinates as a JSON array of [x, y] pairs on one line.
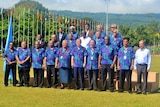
[[125, 57]]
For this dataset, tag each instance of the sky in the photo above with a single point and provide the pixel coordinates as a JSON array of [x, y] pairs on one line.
[[114, 6]]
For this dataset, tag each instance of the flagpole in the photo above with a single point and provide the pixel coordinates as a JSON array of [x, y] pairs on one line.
[[37, 20], [28, 25], [13, 21], [24, 24], [33, 30], [19, 28], [2, 29], [45, 27], [41, 22], [49, 27], [107, 1]]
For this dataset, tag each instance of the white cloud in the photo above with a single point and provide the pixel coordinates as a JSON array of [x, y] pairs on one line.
[[115, 6]]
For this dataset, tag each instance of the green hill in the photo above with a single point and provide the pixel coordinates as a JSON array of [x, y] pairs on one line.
[[32, 5]]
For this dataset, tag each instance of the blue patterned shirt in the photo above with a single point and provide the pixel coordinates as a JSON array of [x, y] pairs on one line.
[[102, 35], [64, 58], [125, 57], [22, 54], [71, 44], [99, 43], [75, 36], [10, 55], [119, 35], [37, 58], [78, 55], [108, 52], [117, 43], [92, 59], [51, 54]]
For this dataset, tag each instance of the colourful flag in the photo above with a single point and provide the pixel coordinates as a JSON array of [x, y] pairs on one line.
[[75, 22], [9, 39], [59, 19], [40, 17]]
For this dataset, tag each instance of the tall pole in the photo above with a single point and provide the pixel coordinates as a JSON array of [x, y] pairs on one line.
[[45, 27], [37, 20], [33, 30], [28, 26], [24, 18], [19, 28], [107, 1], [2, 29], [41, 21]]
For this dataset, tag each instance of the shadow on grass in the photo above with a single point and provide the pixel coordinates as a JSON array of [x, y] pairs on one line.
[[156, 92]]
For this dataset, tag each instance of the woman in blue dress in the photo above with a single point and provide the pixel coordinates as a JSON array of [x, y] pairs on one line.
[[63, 62]]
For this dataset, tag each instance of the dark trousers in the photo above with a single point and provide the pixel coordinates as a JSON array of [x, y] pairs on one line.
[[104, 70], [24, 75], [79, 71], [51, 71], [142, 72], [38, 77], [125, 74], [8, 68], [92, 78]]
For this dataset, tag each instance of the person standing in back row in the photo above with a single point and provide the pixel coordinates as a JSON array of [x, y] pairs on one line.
[[142, 66]]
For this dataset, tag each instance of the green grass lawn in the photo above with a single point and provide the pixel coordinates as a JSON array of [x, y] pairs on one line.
[[40, 97]]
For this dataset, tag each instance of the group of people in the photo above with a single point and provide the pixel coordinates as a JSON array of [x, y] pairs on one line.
[[91, 54]]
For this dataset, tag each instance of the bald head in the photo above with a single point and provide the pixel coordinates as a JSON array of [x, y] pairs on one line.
[[141, 44], [37, 44]]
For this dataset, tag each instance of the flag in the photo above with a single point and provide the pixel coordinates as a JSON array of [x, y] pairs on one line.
[[40, 17], [75, 22], [59, 19], [9, 39]]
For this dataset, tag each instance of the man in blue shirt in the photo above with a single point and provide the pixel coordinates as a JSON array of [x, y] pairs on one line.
[[102, 33], [72, 31], [41, 42], [114, 27], [99, 41], [142, 66], [92, 65], [107, 60], [116, 41], [37, 64], [23, 58], [49, 60], [10, 58], [78, 61], [71, 41], [125, 64]]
